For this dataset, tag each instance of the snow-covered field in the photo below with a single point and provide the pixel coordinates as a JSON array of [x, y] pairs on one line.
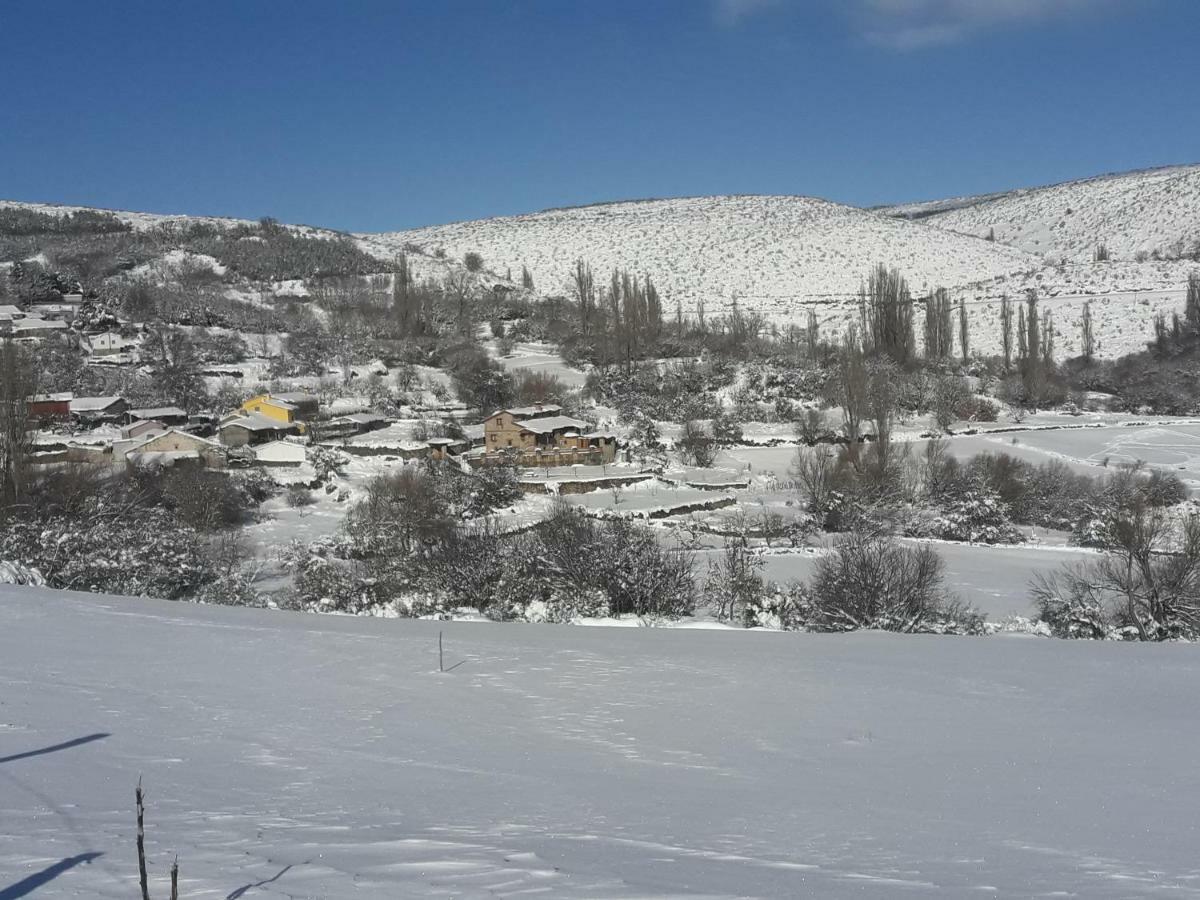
[[325, 757]]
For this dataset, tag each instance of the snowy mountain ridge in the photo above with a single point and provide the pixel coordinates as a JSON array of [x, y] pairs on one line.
[[1130, 213], [772, 253]]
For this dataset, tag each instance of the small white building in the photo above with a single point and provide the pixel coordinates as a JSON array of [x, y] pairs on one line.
[[107, 343], [280, 453]]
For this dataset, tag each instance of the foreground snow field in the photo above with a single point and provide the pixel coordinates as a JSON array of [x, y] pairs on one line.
[[326, 757]]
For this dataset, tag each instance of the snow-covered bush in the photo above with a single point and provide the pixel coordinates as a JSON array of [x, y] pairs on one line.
[[780, 607], [874, 582], [146, 552], [979, 517], [734, 581], [328, 585], [1070, 605], [326, 462], [230, 589], [15, 573]]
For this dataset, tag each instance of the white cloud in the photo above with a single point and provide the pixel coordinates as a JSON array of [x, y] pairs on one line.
[[916, 24]]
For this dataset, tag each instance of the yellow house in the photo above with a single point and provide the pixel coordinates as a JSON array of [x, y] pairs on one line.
[[272, 408]]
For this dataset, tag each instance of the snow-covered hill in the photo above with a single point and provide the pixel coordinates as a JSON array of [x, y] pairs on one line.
[[775, 254], [312, 757], [1129, 213], [421, 265]]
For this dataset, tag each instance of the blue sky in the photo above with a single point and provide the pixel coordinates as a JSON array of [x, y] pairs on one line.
[[385, 115]]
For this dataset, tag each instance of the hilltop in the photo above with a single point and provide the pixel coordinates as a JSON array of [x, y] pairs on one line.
[[1132, 214]]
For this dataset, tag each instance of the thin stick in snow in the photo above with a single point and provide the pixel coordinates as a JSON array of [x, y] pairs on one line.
[[141, 843], [441, 658]]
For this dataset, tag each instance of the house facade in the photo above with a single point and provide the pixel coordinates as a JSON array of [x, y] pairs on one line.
[[271, 408], [49, 407], [533, 437]]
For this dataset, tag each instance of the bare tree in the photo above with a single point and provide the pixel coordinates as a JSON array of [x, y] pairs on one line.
[[885, 308], [871, 581], [964, 334], [1085, 332], [938, 336], [848, 388], [1148, 579], [1006, 331], [18, 382]]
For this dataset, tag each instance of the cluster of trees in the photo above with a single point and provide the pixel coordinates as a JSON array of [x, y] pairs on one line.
[[160, 533], [869, 581], [423, 542]]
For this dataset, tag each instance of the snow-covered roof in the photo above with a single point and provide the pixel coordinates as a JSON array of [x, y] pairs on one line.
[[550, 424], [397, 436], [361, 418], [9, 312], [31, 324], [156, 412], [93, 404], [255, 422], [51, 398], [157, 457], [538, 409], [280, 450], [473, 432], [295, 397], [185, 434]]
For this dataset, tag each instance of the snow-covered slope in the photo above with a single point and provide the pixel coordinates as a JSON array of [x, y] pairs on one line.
[[775, 254], [421, 266], [1132, 212], [325, 757]]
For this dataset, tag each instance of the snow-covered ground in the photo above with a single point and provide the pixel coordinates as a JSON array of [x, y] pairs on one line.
[[312, 757]]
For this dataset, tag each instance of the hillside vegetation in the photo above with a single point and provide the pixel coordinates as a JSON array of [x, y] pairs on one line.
[[774, 254]]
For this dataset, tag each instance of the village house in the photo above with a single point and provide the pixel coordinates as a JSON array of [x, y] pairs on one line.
[[32, 328], [94, 410], [163, 415], [174, 447], [350, 425], [49, 407], [442, 448], [242, 429], [306, 406], [108, 343], [63, 311], [142, 427], [280, 453], [396, 440], [539, 436]]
